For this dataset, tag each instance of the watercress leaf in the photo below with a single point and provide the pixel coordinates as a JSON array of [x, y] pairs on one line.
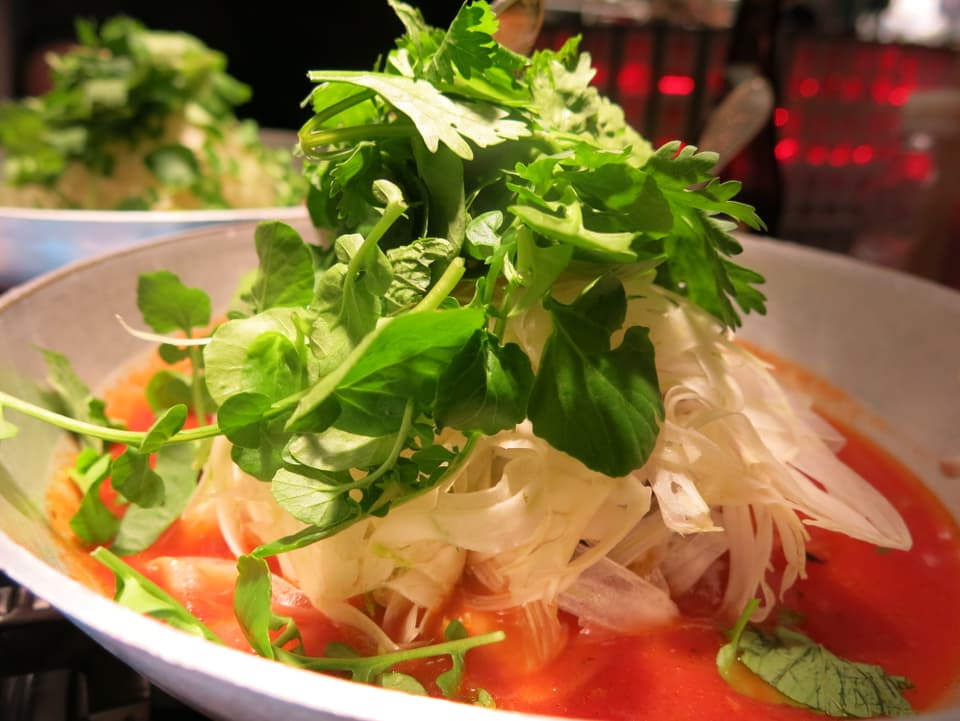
[[93, 522], [402, 362], [135, 480], [806, 672], [331, 342], [402, 682], [286, 272], [240, 417], [252, 604], [324, 503], [486, 386], [168, 305], [483, 234], [173, 165], [163, 429], [140, 526], [172, 354], [167, 388], [337, 450], [8, 430], [241, 354], [264, 460], [139, 593], [74, 395], [600, 405]]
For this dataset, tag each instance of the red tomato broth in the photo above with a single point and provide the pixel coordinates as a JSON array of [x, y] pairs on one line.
[[863, 603]]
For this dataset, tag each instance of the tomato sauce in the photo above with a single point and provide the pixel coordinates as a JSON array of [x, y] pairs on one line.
[[892, 608]]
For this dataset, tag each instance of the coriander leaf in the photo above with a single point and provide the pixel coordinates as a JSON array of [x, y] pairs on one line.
[[486, 386], [565, 224], [437, 117], [807, 673], [168, 305], [286, 272], [137, 592], [600, 405]]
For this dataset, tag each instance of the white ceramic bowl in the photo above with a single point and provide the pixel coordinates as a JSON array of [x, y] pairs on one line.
[[33, 241], [892, 341]]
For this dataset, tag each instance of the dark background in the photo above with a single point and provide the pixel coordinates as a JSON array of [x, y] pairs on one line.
[[269, 45]]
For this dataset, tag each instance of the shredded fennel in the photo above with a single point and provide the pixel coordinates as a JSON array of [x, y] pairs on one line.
[[739, 468]]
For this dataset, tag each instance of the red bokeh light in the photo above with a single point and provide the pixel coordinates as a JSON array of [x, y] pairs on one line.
[[817, 155], [786, 149], [898, 95], [676, 85], [781, 116], [917, 166], [632, 79], [862, 154], [840, 155], [809, 87]]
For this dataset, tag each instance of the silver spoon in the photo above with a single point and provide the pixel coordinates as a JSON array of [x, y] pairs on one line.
[[520, 22], [737, 120]]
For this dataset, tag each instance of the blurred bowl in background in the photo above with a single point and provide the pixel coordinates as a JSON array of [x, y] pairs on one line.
[[34, 241]]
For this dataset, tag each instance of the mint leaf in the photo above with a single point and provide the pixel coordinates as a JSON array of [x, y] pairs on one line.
[[601, 405], [809, 674]]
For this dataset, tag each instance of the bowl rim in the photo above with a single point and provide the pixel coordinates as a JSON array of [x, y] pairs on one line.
[[152, 217]]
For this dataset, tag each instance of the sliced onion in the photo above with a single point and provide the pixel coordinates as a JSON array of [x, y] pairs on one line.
[[609, 595]]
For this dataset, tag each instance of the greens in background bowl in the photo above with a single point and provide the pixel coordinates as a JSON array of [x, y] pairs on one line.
[[137, 137]]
